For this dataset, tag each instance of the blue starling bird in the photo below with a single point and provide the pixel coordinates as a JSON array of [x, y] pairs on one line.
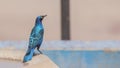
[[35, 39]]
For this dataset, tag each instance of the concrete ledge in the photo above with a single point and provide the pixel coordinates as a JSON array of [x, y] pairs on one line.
[[39, 61]]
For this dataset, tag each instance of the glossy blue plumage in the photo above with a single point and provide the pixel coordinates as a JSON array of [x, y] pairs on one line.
[[35, 40]]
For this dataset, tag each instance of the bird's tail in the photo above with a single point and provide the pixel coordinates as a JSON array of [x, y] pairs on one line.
[[29, 54]]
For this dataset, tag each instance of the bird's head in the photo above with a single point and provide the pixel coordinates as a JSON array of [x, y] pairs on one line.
[[41, 17]]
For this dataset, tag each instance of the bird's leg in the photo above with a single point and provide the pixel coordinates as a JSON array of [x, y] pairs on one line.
[[40, 51]]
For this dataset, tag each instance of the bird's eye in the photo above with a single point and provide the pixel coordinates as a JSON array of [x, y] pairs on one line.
[[40, 19]]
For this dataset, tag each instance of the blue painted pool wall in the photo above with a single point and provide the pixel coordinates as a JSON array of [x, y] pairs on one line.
[[84, 58]]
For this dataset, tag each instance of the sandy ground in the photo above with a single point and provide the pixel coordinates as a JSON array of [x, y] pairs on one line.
[[39, 61]]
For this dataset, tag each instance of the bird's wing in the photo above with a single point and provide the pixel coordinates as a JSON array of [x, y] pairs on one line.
[[35, 37]]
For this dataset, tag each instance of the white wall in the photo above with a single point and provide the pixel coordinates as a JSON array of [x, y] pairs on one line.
[[95, 19], [17, 18], [90, 19]]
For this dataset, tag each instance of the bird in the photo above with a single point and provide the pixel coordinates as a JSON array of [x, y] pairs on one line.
[[35, 39]]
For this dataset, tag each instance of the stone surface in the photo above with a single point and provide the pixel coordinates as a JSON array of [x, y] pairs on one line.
[[12, 55]]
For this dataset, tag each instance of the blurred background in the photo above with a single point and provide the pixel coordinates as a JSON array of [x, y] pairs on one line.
[[91, 26], [89, 19]]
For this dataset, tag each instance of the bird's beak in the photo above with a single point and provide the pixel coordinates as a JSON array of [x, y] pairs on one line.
[[44, 16]]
